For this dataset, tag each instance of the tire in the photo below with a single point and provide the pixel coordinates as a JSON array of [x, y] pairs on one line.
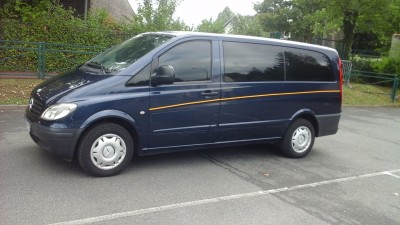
[[105, 150], [299, 139]]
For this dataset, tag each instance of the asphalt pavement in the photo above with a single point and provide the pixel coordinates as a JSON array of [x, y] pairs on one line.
[[352, 177]]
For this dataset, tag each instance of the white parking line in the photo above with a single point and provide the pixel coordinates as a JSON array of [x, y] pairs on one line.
[[391, 174], [220, 199]]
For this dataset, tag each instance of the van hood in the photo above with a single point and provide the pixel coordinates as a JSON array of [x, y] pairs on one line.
[[56, 87]]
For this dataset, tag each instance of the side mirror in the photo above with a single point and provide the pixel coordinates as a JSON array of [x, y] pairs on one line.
[[164, 75]]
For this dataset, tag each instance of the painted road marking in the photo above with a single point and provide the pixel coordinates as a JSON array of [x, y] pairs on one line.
[[391, 174], [220, 199]]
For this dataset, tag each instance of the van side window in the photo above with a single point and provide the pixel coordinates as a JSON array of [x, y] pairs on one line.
[[246, 62], [304, 65], [191, 61], [142, 78]]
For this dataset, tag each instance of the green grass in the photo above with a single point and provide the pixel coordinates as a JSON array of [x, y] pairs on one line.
[[368, 95], [17, 91]]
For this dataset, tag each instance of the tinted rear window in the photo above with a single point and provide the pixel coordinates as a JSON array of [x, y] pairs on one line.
[[305, 65]]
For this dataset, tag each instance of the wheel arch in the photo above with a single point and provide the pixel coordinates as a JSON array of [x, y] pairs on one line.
[[309, 115], [111, 116]]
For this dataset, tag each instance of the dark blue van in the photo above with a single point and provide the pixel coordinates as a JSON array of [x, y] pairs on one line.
[[172, 91]]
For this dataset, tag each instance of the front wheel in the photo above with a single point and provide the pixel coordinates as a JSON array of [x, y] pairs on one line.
[[299, 139], [105, 149]]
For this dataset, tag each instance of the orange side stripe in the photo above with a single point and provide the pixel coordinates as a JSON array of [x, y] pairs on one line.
[[243, 97], [183, 104]]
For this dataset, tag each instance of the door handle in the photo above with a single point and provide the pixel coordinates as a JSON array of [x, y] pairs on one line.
[[209, 93]]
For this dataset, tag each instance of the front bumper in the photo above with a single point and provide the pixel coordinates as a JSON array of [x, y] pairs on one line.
[[59, 141]]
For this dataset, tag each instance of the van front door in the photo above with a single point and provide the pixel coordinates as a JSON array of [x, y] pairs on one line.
[[183, 113]]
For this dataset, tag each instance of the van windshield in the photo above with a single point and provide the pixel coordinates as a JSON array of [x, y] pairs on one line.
[[121, 56]]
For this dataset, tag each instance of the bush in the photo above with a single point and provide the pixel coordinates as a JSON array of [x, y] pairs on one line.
[[28, 23], [47, 21], [58, 25], [391, 63], [388, 65], [364, 63]]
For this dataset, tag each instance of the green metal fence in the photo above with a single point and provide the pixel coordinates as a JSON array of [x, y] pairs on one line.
[[382, 79], [42, 59]]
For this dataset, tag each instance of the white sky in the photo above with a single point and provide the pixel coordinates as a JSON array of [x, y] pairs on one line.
[[192, 12]]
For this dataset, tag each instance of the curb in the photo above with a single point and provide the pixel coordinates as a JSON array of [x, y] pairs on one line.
[[24, 75], [12, 107]]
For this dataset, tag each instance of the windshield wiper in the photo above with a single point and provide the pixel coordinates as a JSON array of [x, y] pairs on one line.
[[98, 65]]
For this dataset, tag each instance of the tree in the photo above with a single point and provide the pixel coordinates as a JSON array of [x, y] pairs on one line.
[[305, 18], [247, 25], [385, 25], [216, 26], [157, 15], [352, 16], [211, 26], [393, 17], [225, 15], [275, 15], [294, 18]]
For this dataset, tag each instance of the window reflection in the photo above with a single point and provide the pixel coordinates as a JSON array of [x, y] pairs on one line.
[[252, 62], [191, 61], [121, 56]]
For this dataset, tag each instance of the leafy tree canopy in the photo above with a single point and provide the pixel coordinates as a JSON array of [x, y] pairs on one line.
[[303, 19], [216, 26], [245, 25], [157, 15]]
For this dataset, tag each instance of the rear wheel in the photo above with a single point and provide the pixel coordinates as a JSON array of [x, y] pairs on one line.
[[299, 139], [105, 149]]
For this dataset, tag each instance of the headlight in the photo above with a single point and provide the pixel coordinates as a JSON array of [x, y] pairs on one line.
[[58, 111]]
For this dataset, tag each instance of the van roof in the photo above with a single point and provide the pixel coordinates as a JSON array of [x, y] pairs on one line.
[[235, 37]]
